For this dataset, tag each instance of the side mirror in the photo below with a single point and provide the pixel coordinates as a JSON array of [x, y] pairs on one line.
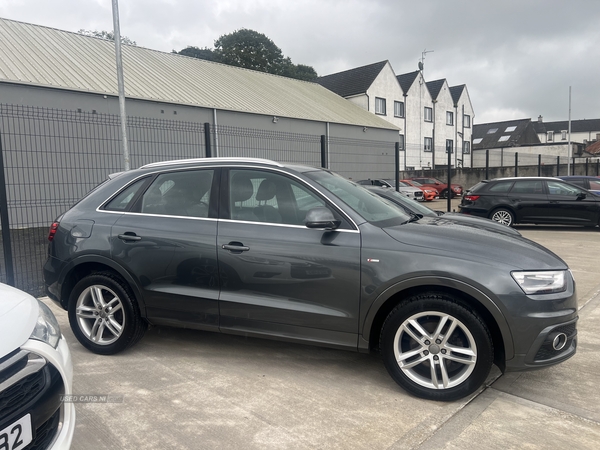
[[581, 196], [321, 218]]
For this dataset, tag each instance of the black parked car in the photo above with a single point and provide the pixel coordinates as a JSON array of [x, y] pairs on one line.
[[534, 200], [257, 248], [417, 209], [589, 183]]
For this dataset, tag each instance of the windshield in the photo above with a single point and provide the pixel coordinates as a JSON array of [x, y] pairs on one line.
[[415, 183], [413, 205], [371, 207]]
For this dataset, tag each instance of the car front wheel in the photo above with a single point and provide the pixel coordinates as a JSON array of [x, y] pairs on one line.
[[435, 348], [503, 216], [104, 315]]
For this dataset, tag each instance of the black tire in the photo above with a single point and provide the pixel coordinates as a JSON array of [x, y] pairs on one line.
[[104, 314], [503, 216], [469, 341], [444, 193]]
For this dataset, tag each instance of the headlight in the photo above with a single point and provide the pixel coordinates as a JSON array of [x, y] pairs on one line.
[[46, 328], [543, 282]]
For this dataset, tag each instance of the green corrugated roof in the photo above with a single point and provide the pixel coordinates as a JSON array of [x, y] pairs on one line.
[[41, 56]]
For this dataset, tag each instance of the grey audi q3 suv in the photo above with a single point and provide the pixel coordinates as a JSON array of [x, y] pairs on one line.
[[257, 248]]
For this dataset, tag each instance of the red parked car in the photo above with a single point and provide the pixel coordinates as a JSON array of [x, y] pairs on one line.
[[439, 186], [429, 194]]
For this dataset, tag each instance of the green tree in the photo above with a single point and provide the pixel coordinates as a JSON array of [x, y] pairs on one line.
[[200, 53], [251, 50], [108, 35]]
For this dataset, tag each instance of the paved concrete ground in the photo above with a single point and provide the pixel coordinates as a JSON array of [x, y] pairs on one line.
[[199, 390]]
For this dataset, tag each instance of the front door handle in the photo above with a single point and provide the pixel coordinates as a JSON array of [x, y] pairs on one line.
[[129, 236], [235, 247]]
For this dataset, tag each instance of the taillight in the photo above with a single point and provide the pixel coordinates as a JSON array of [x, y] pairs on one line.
[[53, 229], [471, 198]]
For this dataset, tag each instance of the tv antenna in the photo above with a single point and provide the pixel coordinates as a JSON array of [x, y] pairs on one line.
[[423, 53]]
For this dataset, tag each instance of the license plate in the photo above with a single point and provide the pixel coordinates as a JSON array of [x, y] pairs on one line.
[[17, 435]]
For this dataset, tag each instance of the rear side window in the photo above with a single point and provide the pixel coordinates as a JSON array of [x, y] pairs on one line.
[[527, 187], [595, 185], [185, 194], [122, 201]]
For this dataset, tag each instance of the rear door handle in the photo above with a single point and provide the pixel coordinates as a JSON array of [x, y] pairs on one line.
[[129, 237], [235, 247]]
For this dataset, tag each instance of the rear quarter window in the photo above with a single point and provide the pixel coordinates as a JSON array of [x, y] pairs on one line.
[[123, 200], [501, 186]]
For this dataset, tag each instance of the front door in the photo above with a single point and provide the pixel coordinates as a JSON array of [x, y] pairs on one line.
[[571, 205], [279, 277]]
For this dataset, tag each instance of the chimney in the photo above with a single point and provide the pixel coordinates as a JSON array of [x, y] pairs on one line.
[[540, 119]]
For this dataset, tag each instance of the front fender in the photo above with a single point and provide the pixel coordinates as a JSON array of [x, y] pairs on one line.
[[461, 286]]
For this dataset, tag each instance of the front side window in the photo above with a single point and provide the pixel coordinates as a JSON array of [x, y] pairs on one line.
[[559, 188], [428, 144], [380, 106], [398, 109], [185, 194], [449, 118], [263, 196], [368, 205], [428, 114], [595, 185]]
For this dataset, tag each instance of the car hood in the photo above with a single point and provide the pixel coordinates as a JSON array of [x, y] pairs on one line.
[[408, 189], [481, 222], [470, 241], [18, 316]]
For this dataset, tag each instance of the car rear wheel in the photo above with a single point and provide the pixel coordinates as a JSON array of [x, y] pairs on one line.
[[435, 348], [104, 315], [503, 216]]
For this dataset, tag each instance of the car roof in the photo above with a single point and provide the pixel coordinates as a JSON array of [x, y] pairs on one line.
[[521, 178], [579, 177], [195, 162]]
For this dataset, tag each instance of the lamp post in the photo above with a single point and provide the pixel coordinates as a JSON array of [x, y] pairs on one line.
[[121, 83]]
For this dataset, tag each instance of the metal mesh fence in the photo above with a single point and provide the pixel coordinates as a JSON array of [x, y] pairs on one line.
[[360, 159], [276, 145]]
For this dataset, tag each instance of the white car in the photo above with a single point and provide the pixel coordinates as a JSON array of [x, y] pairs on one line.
[[405, 189], [35, 372]]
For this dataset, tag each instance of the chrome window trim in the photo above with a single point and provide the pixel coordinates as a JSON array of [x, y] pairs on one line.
[[272, 169], [285, 225], [171, 216]]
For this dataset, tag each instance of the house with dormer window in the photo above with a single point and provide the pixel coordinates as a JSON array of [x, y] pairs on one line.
[[432, 117]]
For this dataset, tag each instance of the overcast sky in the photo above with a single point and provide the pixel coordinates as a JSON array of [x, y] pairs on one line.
[[517, 57]]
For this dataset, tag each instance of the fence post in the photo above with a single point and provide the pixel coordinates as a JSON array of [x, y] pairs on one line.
[[598, 167], [557, 165], [324, 162], [397, 165], [540, 165], [487, 164], [516, 164], [4, 222], [573, 167], [449, 187], [586, 166], [208, 152]]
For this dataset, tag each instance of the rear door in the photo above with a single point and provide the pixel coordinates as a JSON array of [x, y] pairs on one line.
[[529, 201], [167, 243], [280, 277]]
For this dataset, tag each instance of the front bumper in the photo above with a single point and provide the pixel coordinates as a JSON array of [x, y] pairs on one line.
[[554, 344], [34, 378]]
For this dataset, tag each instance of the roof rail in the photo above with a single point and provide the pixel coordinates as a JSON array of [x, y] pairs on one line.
[[215, 160]]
